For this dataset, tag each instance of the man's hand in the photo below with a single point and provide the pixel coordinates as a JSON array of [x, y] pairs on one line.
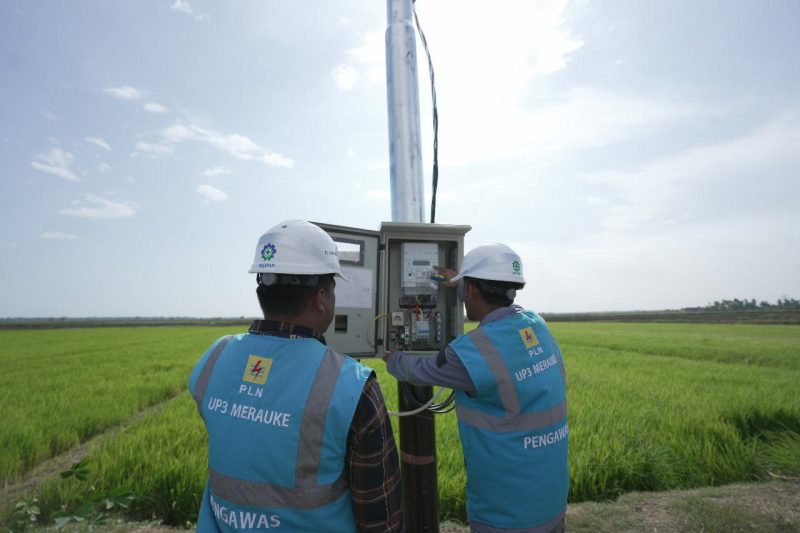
[[448, 274]]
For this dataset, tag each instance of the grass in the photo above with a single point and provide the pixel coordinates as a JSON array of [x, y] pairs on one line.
[[60, 387], [162, 459], [775, 346], [646, 413]]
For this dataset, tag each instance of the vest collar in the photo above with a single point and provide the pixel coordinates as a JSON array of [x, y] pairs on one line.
[[500, 313], [284, 329]]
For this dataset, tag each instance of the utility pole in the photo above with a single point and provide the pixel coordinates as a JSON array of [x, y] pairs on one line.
[[417, 432]]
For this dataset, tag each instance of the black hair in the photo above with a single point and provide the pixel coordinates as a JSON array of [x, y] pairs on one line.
[[290, 300], [494, 292]]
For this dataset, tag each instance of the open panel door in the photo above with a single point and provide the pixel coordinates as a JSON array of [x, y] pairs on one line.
[[354, 327]]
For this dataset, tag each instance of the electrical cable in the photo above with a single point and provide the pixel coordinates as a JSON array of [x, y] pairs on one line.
[[444, 406], [372, 324], [419, 409], [438, 408], [435, 114]]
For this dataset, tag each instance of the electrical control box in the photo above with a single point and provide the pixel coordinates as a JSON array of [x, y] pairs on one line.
[[390, 300]]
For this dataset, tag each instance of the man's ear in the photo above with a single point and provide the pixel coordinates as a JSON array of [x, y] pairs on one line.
[[471, 289], [318, 300]]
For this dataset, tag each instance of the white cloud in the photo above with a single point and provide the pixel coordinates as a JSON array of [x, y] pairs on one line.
[[57, 163], [103, 167], [521, 43], [593, 200], [57, 236], [709, 181], [125, 92], [96, 207], [493, 98], [215, 171], [211, 194], [185, 7], [365, 63], [234, 144], [520, 39], [370, 53], [155, 107], [98, 141], [49, 115], [345, 76], [154, 149], [686, 266], [378, 194], [581, 118]]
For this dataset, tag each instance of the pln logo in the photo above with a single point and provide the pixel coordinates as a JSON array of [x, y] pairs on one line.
[[268, 251], [257, 369], [516, 268], [528, 337]]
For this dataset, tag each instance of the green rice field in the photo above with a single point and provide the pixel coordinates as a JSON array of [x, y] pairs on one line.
[[652, 407]]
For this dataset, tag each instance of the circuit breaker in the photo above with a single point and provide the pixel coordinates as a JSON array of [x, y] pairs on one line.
[[389, 299]]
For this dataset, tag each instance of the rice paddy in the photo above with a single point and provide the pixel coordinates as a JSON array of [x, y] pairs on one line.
[[652, 407]]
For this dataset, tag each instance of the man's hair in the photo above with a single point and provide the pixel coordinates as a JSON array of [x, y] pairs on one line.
[[495, 292], [291, 300]]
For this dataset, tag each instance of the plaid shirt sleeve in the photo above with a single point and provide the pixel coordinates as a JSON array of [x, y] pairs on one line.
[[372, 465]]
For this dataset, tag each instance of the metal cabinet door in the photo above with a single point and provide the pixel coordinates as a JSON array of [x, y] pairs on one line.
[[354, 327]]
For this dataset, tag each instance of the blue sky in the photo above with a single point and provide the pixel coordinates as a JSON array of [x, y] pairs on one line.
[[638, 154]]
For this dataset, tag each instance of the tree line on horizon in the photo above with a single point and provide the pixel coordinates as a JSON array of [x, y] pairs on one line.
[[783, 304]]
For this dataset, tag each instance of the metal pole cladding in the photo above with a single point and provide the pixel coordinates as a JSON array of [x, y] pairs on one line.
[[418, 432], [405, 152]]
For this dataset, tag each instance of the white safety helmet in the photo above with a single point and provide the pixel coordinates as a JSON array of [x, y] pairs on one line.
[[494, 262], [296, 247]]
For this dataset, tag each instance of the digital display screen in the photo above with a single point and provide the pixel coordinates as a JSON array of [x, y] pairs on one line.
[[421, 263]]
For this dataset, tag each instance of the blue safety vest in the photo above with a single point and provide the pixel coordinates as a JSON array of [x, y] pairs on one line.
[[278, 412], [514, 429]]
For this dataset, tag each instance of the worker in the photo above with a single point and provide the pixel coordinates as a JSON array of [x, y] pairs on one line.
[[298, 434], [510, 394]]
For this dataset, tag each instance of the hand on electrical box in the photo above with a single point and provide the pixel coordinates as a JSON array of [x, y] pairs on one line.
[[444, 275], [395, 297]]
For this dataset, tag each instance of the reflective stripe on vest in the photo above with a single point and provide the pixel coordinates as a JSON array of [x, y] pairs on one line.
[[556, 525], [523, 422], [199, 392], [514, 430], [312, 427], [269, 496], [505, 388], [512, 420], [307, 494]]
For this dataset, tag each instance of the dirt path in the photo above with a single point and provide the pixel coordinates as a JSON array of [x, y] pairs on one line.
[[751, 507], [14, 492], [756, 507]]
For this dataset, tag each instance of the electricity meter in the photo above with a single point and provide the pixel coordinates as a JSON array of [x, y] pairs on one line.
[[419, 289], [389, 300]]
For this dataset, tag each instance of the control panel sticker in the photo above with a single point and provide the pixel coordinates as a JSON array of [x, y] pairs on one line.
[[357, 291]]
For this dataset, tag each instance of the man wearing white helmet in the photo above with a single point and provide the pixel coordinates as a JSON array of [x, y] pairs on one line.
[[511, 404], [298, 434]]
